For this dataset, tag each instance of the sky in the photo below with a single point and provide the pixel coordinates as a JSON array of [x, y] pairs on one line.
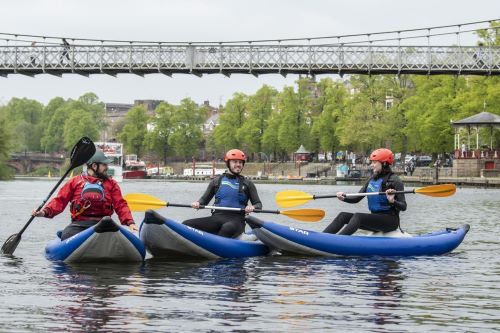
[[208, 20]]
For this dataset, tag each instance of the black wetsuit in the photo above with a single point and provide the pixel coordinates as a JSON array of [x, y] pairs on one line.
[[226, 223], [384, 220]]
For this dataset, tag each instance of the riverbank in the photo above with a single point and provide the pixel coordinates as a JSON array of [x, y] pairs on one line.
[[480, 182], [459, 181]]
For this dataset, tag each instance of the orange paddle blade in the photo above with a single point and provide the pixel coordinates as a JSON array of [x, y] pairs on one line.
[[441, 190], [305, 215]]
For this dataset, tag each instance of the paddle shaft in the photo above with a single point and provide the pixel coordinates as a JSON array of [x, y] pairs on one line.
[[231, 209], [45, 200], [377, 193], [359, 194]]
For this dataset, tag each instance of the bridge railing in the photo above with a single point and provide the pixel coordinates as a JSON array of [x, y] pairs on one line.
[[256, 59]]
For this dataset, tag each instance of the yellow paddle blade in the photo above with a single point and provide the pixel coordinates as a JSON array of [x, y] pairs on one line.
[[306, 215], [292, 198], [442, 190], [139, 202]]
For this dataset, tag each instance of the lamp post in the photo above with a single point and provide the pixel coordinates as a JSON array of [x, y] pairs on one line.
[[266, 160]]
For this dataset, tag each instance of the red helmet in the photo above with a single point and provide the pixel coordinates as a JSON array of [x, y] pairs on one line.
[[382, 155], [235, 154]]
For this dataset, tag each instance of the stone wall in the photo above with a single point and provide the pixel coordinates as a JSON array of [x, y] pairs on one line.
[[472, 167]]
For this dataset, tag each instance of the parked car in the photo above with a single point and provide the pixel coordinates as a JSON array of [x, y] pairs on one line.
[[423, 161], [354, 174]]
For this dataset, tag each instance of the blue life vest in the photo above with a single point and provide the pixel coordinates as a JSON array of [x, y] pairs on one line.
[[93, 192], [377, 203], [229, 195]]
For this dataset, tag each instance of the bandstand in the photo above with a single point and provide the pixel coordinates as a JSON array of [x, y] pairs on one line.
[[474, 159]]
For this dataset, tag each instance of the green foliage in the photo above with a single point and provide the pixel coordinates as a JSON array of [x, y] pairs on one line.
[[187, 121], [295, 119], [161, 128], [59, 112], [24, 117], [231, 119], [43, 171], [270, 138], [134, 132], [430, 110], [260, 107], [332, 104], [79, 123], [6, 137]]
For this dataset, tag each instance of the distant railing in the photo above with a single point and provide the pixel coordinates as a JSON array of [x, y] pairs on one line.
[[477, 153]]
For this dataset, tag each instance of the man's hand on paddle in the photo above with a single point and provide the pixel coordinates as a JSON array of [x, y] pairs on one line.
[[341, 196], [390, 195], [40, 213], [195, 205], [249, 209]]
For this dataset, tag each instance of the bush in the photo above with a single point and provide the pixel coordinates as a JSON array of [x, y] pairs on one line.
[[44, 171]]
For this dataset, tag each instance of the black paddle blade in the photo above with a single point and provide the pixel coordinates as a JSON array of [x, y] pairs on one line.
[[11, 243], [83, 150]]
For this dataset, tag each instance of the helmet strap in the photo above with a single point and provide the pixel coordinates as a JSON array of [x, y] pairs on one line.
[[96, 172], [228, 164]]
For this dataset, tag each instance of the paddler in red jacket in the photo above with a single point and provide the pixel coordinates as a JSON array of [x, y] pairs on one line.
[[92, 195]]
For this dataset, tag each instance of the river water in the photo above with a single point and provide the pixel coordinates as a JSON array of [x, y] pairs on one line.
[[456, 292]]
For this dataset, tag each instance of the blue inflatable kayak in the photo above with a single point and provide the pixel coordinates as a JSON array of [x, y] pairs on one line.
[[164, 237], [106, 241], [301, 241]]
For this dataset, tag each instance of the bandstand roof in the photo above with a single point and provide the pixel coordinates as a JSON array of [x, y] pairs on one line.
[[480, 119], [302, 150]]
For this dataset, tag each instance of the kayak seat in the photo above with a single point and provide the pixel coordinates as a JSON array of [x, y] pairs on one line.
[[395, 233], [106, 224], [151, 217], [253, 222]]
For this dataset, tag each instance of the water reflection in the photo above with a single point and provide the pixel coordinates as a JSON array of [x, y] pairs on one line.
[[370, 288], [221, 284], [92, 293]]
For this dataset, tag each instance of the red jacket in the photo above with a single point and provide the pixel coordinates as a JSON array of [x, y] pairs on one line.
[[82, 209]]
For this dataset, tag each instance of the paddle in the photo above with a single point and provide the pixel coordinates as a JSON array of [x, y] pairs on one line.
[[81, 153], [139, 202], [292, 198]]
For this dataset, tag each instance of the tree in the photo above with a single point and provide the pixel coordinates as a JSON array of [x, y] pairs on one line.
[[362, 127], [270, 142], [58, 112], [260, 107], [158, 138], [186, 123], [6, 138], [232, 118], [134, 131], [24, 116], [79, 124], [332, 105], [430, 110], [54, 130], [294, 126]]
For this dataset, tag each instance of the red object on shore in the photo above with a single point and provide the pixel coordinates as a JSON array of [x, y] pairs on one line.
[[135, 174]]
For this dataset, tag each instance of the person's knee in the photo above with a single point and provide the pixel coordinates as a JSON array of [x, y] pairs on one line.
[[357, 218], [190, 223], [230, 230], [344, 215]]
